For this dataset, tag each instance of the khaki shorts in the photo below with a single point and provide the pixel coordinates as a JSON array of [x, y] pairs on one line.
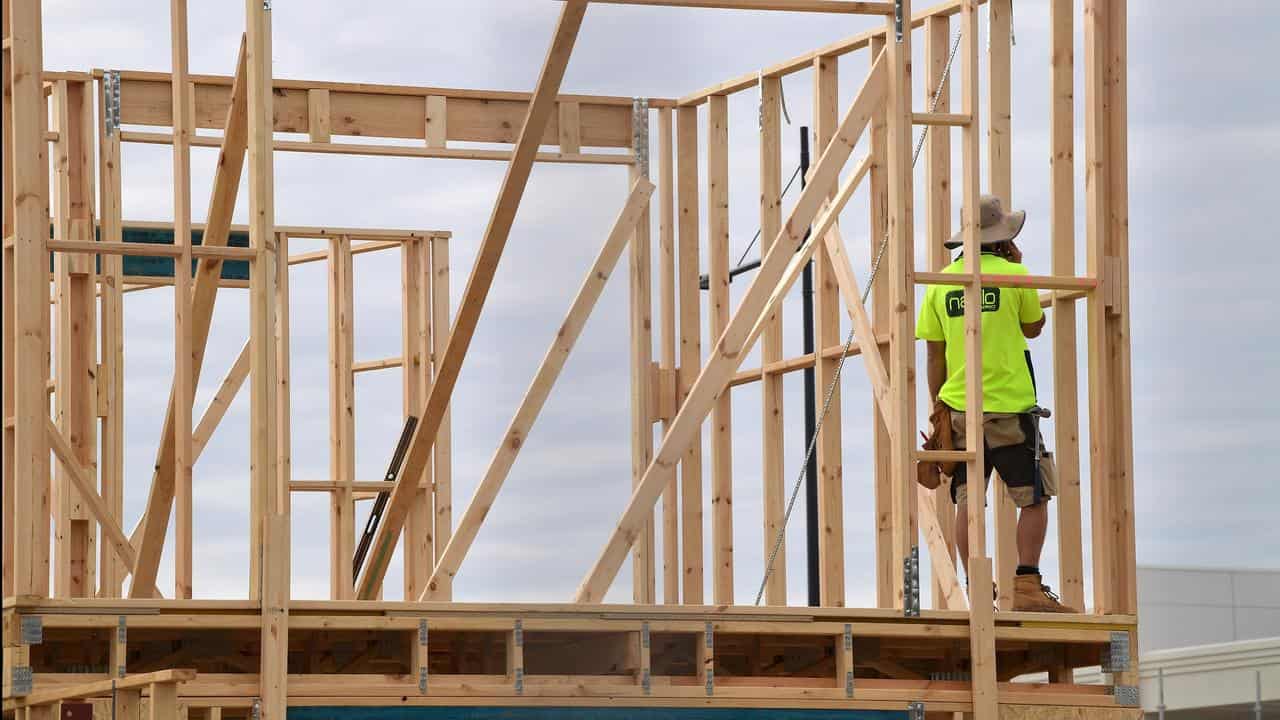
[[1009, 451]]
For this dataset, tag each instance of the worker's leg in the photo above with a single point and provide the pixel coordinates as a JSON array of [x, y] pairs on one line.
[[959, 490], [1030, 487], [1033, 525]]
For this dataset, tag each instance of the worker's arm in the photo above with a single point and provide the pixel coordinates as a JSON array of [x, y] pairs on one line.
[[937, 354], [1033, 329]]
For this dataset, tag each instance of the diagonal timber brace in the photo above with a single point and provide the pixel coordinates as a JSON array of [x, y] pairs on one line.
[[847, 283], [227, 391], [84, 481], [780, 267], [541, 105], [150, 533], [543, 381]]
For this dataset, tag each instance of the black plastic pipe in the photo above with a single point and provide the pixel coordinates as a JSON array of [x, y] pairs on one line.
[[810, 406]]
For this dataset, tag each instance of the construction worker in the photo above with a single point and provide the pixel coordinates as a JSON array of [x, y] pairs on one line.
[[1010, 432]]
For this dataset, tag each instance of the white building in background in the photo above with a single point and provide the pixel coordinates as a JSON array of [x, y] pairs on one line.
[[1209, 643]]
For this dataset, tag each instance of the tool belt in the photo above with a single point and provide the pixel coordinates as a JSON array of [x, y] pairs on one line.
[[929, 474]]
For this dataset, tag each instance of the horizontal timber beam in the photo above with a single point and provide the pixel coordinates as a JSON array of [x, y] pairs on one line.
[[799, 362], [349, 148], [1038, 282], [805, 61], [319, 232], [382, 111], [103, 687]]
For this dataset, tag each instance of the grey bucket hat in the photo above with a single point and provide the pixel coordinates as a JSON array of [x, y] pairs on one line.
[[994, 224]]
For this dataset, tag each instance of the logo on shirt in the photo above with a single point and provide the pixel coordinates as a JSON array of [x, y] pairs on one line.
[[954, 301]]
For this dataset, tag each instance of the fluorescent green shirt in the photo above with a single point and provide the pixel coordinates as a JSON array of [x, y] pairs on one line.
[[1006, 379]]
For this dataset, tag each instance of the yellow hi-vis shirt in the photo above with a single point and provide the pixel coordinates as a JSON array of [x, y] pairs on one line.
[[1006, 379]]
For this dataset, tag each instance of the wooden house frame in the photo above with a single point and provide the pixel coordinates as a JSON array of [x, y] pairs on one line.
[[72, 632]]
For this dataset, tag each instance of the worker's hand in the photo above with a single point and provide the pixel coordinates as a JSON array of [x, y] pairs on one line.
[[1015, 254]]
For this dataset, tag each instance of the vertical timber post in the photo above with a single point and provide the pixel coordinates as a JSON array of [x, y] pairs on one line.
[[269, 544], [826, 118], [722, 412], [773, 465], [76, 343], [27, 465], [182, 103], [415, 353], [111, 569], [442, 452], [342, 462], [7, 330], [888, 568], [667, 323], [1066, 390], [641, 290], [937, 32], [1000, 184], [981, 615], [901, 259], [690, 347]]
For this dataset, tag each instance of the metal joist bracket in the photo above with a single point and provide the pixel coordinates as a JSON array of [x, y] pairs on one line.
[[911, 583], [646, 681], [517, 637], [640, 134], [898, 20], [111, 100], [708, 631], [848, 648], [31, 630], [1128, 696], [423, 637], [915, 711], [20, 680], [1116, 657], [122, 638]]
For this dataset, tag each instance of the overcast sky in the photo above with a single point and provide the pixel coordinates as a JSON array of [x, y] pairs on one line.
[[1205, 142]]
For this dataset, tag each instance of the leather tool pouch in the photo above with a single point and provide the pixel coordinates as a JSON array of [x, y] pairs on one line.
[[929, 474]]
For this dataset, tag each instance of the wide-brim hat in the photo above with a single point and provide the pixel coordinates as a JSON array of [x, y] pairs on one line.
[[994, 224]]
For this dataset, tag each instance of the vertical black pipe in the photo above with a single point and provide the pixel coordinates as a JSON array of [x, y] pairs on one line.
[[810, 405]]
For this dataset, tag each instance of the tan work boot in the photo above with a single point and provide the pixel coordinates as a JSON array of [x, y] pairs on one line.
[[1031, 595]]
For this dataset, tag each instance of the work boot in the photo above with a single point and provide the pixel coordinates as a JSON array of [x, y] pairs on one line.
[[1031, 595]]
